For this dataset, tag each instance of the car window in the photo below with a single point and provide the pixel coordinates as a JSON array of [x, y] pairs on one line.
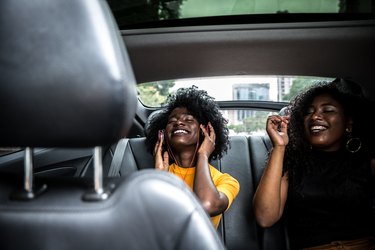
[[239, 92], [230, 88], [135, 13], [246, 121]]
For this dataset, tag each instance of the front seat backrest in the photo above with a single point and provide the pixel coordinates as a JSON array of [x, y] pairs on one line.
[[62, 75]]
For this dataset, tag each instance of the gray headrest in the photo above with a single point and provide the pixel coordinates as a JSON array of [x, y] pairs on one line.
[[65, 76], [151, 117]]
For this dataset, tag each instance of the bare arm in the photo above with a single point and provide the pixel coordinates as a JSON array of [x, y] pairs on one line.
[[271, 194], [213, 201]]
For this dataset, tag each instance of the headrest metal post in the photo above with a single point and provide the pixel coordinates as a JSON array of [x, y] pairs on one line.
[[98, 170], [99, 193], [29, 161], [29, 191]]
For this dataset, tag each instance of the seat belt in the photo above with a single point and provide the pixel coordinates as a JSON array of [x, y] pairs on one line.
[[114, 169], [267, 143]]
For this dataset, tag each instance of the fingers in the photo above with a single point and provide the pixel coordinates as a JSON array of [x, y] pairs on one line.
[[212, 133], [159, 144], [284, 126], [277, 120], [157, 148], [274, 118], [161, 158], [209, 132]]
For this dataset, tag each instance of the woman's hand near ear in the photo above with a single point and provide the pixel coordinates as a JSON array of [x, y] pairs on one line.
[[161, 158], [208, 144]]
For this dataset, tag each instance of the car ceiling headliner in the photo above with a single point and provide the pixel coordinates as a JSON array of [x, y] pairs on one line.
[[328, 49]]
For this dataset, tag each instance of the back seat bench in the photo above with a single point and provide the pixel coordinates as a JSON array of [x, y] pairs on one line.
[[245, 160]]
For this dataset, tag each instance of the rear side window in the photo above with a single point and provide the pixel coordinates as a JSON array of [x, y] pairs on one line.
[[230, 88], [246, 121], [263, 90]]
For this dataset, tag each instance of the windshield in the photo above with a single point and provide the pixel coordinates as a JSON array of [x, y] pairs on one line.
[[130, 13]]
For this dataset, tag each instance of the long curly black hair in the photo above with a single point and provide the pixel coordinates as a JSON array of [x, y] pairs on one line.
[[200, 105], [298, 151]]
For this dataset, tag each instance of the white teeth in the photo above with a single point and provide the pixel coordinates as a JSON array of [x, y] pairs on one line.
[[316, 129], [180, 131]]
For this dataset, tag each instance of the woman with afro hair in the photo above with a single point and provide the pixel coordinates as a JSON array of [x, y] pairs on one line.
[[183, 137], [321, 170]]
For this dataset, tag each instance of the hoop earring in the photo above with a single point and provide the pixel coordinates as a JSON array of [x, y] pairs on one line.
[[353, 145]]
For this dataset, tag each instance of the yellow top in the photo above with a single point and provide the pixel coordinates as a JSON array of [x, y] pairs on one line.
[[224, 183]]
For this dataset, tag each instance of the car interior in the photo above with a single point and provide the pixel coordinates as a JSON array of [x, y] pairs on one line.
[[82, 109], [74, 169]]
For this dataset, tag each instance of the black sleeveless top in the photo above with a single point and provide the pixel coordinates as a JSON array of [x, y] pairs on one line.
[[334, 201]]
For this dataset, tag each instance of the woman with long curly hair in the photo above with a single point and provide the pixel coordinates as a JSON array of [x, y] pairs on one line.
[[321, 171], [188, 133]]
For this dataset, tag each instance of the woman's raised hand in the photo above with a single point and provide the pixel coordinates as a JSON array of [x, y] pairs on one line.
[[277, 127], [208, 144], [161, 158]]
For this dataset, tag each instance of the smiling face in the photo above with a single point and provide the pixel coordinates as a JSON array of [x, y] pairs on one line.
[[325, 123], [182, 129]]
